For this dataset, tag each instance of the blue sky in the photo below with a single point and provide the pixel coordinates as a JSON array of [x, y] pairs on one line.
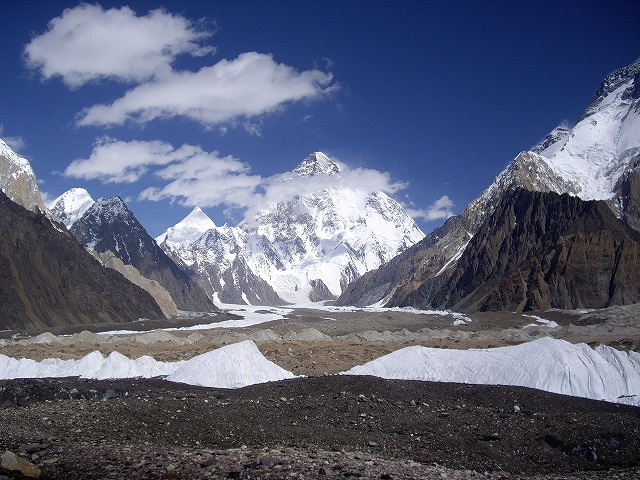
[[180, 103]]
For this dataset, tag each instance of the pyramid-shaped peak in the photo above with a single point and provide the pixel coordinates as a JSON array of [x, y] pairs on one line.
[[110, 208], [316, 164], [115, 202], [198, 218], [189, 229], [71, 205]]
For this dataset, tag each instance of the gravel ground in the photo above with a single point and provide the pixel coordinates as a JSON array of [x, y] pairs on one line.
[[317, 427]]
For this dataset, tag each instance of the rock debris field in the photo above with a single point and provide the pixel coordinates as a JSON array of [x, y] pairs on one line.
[[321, 425]]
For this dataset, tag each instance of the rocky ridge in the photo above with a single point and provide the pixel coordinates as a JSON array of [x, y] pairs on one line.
[[131, 273], [48, 279], [108, 225], [18, 181], [596, 159]]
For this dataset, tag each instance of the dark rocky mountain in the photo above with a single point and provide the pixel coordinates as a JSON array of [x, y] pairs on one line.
[[538, 251], [405, 271], [110, 226], [48, 279], [597, 159]]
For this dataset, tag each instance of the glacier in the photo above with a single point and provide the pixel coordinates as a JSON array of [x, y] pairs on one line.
[[557, 366], [232, 366]]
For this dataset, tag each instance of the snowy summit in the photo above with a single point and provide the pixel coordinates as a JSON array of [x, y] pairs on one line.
[[317, 163], [71, 205]]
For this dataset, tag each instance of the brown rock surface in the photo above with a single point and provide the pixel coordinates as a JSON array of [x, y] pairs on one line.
[[48, 279], [542, 250]]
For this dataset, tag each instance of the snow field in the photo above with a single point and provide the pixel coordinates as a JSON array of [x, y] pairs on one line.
[[557, 366], [546, 364], [231, 366]]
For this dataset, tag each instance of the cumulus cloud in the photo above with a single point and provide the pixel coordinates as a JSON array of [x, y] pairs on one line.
[[441, 209], [88, 43], [250, 85], [193, 177], [206, 180], [116, 161]]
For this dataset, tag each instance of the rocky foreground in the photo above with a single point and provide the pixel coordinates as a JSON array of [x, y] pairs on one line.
[[315, 427]]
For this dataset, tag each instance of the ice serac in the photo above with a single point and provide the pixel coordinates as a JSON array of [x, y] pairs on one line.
[[546, 364], [108, 225], [18, 181], [306, 247], [71, 205], [232, 366], [597, 159], [48, 279]]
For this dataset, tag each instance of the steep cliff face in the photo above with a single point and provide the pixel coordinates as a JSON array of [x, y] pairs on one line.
[[539, 251], [108, 225], [18, 181], [48, 279]]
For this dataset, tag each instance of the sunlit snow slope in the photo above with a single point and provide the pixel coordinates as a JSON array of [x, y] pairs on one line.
[[546, 364], [71, 205], [232, 366]]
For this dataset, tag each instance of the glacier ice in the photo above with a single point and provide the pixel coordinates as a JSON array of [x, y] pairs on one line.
[[546, 364]]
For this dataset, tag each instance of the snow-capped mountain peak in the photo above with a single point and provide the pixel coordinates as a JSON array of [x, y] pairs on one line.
[[189, 229], [306, 247], [612, 82], [599, 148], [18, 181], [71, 205], [112, 208], [553, 142], [317, 163]]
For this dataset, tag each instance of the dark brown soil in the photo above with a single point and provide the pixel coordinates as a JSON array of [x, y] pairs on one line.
[[318, 427]]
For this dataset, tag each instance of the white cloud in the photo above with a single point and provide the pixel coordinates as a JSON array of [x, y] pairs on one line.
[[89, 43], [441, 209], [193, 177], [250, 85], [115, 161], [206, 180]]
